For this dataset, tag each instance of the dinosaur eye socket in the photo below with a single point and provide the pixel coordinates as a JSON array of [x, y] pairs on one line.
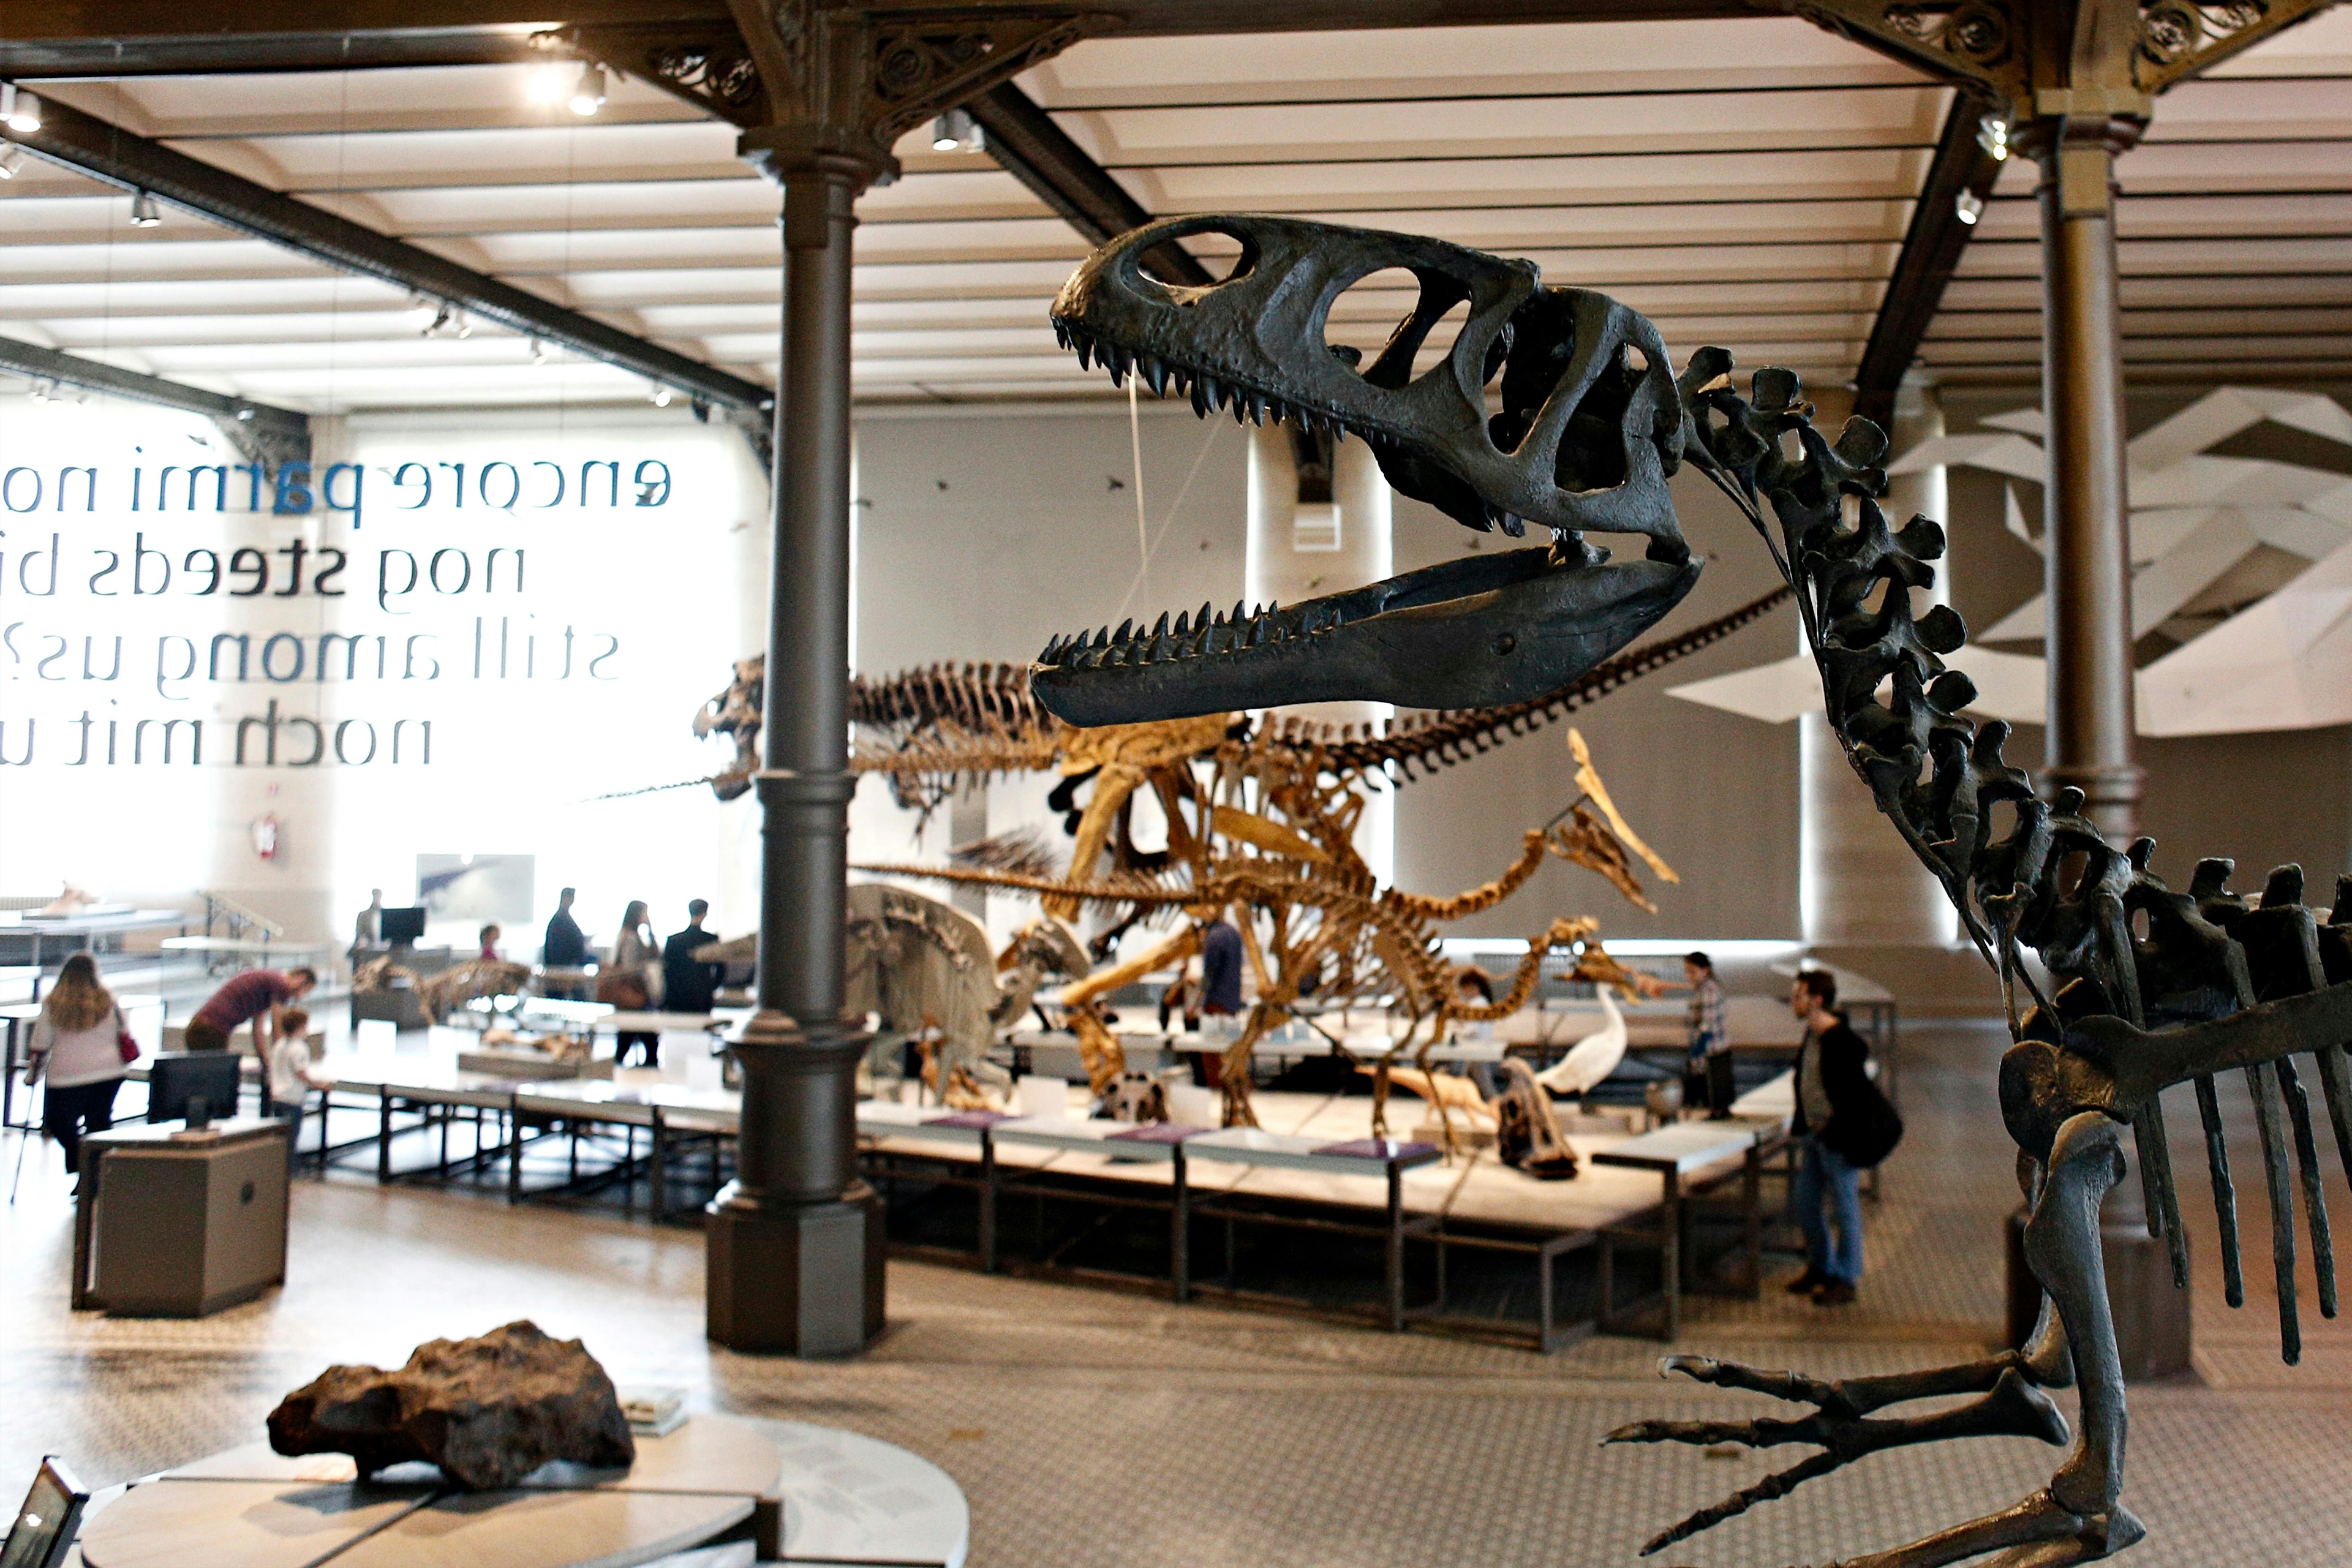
[[1395, 325], [1222, 250]]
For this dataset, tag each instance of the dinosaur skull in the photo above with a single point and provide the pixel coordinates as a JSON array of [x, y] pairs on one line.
[[1586, 429]]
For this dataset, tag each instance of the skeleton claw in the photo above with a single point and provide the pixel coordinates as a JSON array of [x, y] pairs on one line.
[[1841, 1426]]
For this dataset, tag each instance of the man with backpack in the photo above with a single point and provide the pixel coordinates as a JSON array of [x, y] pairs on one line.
[[1844, 1126]]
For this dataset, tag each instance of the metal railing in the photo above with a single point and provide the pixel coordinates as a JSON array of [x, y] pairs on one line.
[[237, 919]]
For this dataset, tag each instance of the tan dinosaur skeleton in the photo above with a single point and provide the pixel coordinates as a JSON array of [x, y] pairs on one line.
[[1269, 833], [1269, 830]]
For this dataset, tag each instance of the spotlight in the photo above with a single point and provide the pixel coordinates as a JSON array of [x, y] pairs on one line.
[[588, 93], [19, 110], [42, 391], [12, 159], [538, 352], [440, 320], [548, 84], [144, 212], [1992, 135], [1968, 206], [661, 397], [957, 132], [465, 327]]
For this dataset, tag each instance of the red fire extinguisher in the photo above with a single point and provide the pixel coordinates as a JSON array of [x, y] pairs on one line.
[[264, 835]]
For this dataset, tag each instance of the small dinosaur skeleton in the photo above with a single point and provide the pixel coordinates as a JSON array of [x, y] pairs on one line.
[[2155, 988]]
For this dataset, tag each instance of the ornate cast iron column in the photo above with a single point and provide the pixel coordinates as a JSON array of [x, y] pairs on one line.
[[2090, 741], [796, 1240], [820, 91]]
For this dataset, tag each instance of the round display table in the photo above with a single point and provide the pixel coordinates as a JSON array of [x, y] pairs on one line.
[[809, 1495]]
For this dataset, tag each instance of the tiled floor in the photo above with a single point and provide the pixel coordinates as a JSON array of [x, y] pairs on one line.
[[1091, 1426]]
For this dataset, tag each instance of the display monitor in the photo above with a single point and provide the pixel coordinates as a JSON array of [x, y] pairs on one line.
[[178, 1077], [400, 927], [42, 1529]]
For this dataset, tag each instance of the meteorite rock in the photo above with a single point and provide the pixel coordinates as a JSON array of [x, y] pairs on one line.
[[488, 1411]]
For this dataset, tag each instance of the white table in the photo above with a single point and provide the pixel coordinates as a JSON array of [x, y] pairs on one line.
[[1677, 1152], [810, 1494]]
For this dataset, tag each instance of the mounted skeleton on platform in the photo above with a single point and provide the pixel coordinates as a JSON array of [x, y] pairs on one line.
[[2155, 988]]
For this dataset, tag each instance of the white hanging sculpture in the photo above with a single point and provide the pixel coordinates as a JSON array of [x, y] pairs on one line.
[[1591, 1058], [2245, 562]]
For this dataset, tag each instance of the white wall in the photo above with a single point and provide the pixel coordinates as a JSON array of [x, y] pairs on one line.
[[618, 619]]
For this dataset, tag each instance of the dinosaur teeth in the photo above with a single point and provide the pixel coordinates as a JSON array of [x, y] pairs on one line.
[[1160, 631], [1238, 615], [1201, 619], [1102, 637], [1515, 525], [1183, 625], [1154, 374]]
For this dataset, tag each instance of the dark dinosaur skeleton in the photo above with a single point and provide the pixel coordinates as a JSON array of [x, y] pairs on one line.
[[2153, 989]]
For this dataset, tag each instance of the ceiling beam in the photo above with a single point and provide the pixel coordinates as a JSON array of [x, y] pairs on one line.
[[263, 432], [118, 38], [1931, 251], [82, 142], [1025, 140], [35, 58]]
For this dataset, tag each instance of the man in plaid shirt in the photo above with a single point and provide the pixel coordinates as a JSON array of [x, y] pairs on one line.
[[1709, 1064]]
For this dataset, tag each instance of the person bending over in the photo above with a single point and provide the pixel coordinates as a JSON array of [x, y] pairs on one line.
[[258, 996]]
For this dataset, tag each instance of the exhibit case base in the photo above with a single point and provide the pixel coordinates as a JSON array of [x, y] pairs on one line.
[[800, 1279]]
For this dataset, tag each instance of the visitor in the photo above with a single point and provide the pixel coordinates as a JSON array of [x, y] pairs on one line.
[[258, 996], [629, 983], [565, 946], [1180, 1000], [1708, 1036], [288, 1079], [489, 953], [1834, 1102], [1221, 969], [1220, 992], [688, 986], [367, 931], [76, 1050], [1474, 988]]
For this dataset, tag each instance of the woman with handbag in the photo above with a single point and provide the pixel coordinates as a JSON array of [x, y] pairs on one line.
[[628, 982], [81, 1048]]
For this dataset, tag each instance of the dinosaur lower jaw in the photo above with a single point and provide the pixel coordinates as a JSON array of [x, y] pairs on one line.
[[1487, 629]]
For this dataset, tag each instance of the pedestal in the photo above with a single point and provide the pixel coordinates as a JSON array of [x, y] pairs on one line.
[[802, 1279]]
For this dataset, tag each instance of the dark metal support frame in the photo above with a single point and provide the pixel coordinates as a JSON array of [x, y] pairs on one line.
[[263, 432], [103, 151], [1930, 254]]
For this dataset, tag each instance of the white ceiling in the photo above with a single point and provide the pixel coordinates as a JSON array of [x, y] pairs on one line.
[[1744, 183]]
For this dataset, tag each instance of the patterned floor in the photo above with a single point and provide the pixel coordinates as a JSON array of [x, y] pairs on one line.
[[1102, 1428]]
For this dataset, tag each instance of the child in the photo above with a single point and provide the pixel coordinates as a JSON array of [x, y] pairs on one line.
[[289, 1079]]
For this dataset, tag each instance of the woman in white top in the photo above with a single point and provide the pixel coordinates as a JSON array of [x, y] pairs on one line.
[[76, 1050]]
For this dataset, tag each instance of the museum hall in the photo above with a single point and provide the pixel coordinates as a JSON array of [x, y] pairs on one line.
[[1163, 783]]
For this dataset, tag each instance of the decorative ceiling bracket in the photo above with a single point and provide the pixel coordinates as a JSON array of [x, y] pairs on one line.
[[705, 63], [1978, 45], [2068, 59], [844, 84], [2182, 38]]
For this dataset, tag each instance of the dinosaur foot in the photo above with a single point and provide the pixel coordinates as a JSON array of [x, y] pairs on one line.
[[1843, 1428]]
